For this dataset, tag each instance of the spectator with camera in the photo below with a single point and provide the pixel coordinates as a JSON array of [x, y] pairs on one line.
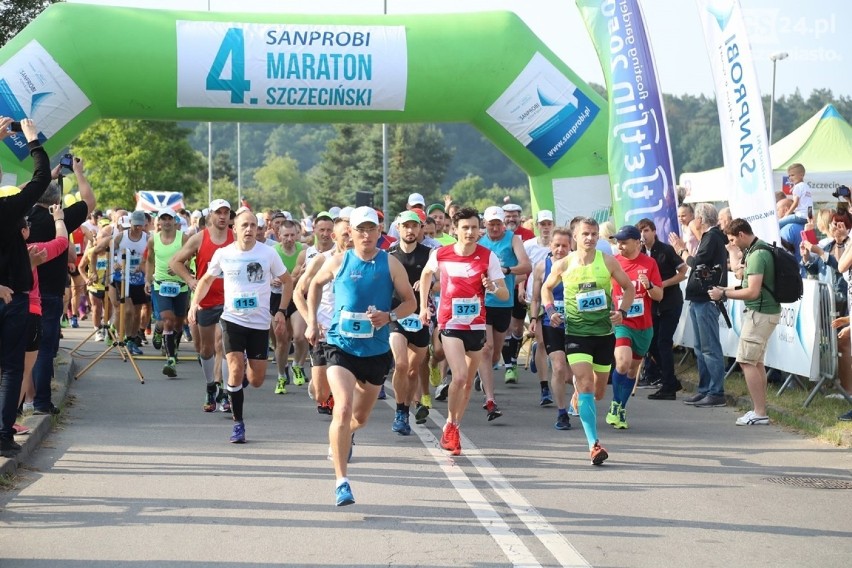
[[16, 281], [755, 266], [53, 275], [708, 270]]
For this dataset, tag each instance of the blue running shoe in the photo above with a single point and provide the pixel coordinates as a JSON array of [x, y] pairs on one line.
[[546, 397], [533, 349], [238, 435], [133, 348], [398, 425], [343, 495], [563, 422]]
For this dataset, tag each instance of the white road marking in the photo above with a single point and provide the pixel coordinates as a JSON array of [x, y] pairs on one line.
[[565, 554]]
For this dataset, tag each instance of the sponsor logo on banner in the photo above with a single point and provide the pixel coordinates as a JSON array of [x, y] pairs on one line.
[[290, 66], [745, 146], [544, 110], [33, 85], [640, 161]]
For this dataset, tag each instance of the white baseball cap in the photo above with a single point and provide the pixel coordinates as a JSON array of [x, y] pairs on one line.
[[261, 220], [361, 215], [416, 199], [167, 211], [345, 213], [512, 207], [544, 215], [334, 212], [493, 213], [196, 214], [217, 204], [124, 221]]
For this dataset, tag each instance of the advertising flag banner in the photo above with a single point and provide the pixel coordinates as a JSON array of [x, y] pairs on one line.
[[640, 162], [544, 110], [291, 66], [33, 85], [745, 146]]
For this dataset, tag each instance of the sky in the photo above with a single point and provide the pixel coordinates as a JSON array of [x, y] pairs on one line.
[[811, 33]]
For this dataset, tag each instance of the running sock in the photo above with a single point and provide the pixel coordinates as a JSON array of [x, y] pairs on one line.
[[618, 381], [588, 416], [511, 348], [169, 342], [237, 398], [341, 481], [515, 342], [627, 385], [561, 411], [406, 409], [400, 407], [207, 366], [543, 384]]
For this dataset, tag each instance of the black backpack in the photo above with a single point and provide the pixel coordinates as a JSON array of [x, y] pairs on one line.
[[788, 279]]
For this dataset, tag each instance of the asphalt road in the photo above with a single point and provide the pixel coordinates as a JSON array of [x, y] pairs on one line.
[[137, 475]]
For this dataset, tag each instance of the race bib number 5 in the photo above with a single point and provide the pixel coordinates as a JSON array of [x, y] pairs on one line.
[[593, 301], [355, 325]]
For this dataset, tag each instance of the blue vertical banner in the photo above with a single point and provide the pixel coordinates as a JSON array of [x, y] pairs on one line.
[[640, 161]]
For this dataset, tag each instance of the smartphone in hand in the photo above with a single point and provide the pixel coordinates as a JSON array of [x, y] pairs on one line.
[[810, 236]]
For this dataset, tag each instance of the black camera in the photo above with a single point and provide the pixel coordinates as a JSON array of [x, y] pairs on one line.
[[842, 192], [15, 126], [67, 162], [710, 276]]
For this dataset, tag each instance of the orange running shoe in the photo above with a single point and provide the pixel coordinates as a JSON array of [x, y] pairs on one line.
[[599, 454], [450, 440]]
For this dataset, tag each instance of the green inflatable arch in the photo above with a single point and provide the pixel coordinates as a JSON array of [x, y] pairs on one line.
[[76, 64]]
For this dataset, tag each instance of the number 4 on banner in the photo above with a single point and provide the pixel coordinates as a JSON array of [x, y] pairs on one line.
[[233, 46]]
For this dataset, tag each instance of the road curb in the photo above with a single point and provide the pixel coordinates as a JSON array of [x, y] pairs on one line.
[[41, 425]]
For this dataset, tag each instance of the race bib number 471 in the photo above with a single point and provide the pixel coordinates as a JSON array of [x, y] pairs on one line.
[[291, 66]]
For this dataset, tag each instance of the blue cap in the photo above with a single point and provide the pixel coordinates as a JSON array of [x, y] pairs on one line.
[[628, 232]]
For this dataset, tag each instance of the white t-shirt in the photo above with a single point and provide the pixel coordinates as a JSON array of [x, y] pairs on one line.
[[537, 253], [247, 276], [803, 191]]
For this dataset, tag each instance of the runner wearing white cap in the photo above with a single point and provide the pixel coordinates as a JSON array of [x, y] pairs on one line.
[[169, 293], [202, 246], [365, 279]]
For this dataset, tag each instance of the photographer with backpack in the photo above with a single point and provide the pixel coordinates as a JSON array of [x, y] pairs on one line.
[[754, 262]]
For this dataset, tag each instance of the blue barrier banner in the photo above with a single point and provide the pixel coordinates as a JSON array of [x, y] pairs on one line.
[[640, 162]]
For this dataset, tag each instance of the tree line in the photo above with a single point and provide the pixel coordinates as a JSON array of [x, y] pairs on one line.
[[321, 165]]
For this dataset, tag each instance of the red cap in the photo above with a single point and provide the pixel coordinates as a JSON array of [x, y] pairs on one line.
[[380, 214], [421, 214]]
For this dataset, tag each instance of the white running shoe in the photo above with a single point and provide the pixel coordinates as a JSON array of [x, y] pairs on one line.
[[752, 419]]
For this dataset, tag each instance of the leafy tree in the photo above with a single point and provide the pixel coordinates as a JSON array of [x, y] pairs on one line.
[[16, 14], [223, 168], [417, 163], [280, 184], [302, 142], [337, 177], [126, 156]]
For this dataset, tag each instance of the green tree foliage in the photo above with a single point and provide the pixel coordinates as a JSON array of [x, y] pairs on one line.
[[473, 192], [279, 184], [302, 142], [223, 167], [16, 14], [126, 156], [338, 176], [417, 163]]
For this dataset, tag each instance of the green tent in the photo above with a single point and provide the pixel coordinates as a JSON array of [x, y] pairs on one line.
[[823, 144]]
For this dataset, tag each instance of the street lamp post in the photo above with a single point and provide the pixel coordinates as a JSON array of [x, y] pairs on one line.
[[775, 58]]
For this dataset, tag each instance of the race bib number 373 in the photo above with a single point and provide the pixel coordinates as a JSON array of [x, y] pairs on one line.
[[291, 66]]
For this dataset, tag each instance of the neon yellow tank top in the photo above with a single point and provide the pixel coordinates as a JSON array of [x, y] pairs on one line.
[[588, 297], [162, 255]]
